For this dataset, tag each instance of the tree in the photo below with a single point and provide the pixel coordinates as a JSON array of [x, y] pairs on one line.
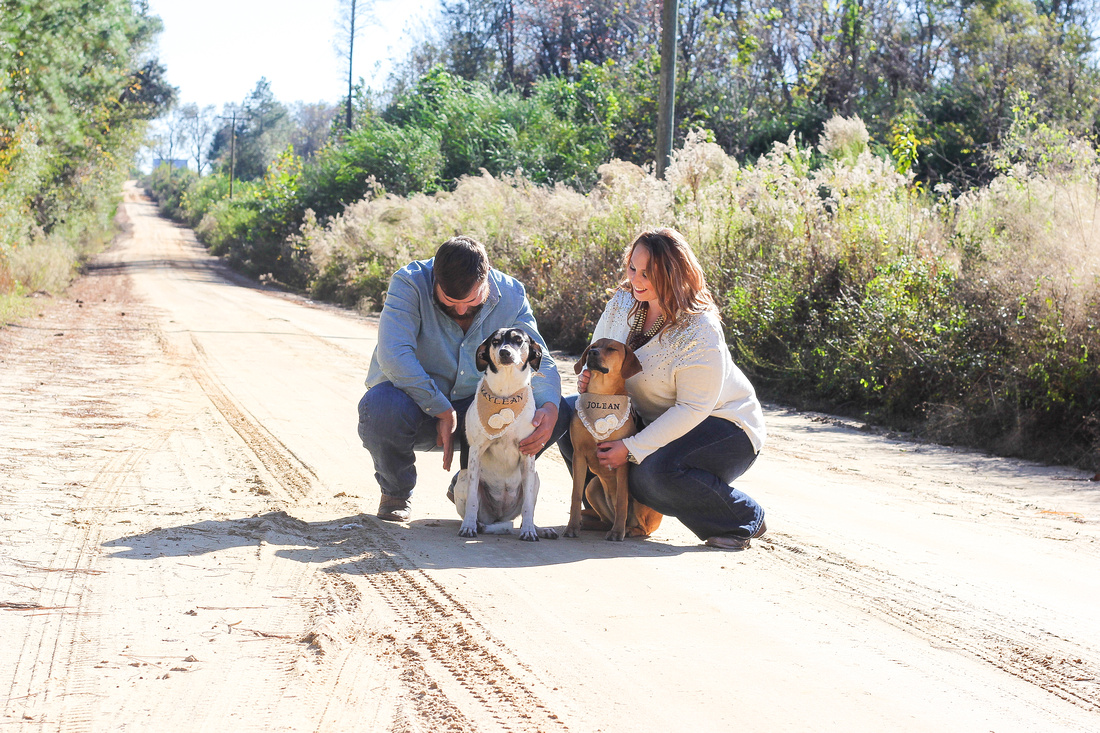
[[312, 126], [263, 129], [201, 124], [77, 89], [353, 16], [171, 135]]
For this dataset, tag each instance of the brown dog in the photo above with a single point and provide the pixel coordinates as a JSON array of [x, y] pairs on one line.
[[603, 414]]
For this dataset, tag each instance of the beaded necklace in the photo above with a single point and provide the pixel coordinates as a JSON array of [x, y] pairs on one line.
[[636, 339]]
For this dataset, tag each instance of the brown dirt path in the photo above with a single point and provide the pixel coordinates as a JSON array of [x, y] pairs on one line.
[[186, 543]]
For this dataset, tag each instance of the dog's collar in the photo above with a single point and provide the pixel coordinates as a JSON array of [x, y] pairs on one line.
[[603, 414], [496, 412]]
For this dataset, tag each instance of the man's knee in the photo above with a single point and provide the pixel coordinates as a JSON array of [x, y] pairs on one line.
[[386, 413]]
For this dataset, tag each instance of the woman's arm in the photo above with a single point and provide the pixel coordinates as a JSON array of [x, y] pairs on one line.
[[697, 383]]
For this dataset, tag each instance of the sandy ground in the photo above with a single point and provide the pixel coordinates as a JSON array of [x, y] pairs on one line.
[[187, 543]]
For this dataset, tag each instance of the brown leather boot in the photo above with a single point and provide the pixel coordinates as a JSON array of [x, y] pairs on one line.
[[394, 508]]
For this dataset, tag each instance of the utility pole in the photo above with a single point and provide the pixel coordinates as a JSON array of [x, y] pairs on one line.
[[352, 16], [666, 101], [351, 54], [232, 147]]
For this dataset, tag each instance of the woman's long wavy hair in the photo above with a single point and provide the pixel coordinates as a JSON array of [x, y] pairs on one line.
[[674, 273]]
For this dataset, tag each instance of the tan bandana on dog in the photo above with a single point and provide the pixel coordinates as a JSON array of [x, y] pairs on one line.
[[497, 413], [603, 414]]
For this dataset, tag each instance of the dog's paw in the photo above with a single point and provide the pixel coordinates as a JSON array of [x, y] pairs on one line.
[[529, 535], [615, 535], [571, 531], [548, 533], [467, 531]]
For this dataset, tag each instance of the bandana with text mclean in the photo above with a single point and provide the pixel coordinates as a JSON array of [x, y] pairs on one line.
[[497, 413]]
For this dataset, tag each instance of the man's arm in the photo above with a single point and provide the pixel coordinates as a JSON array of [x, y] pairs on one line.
[[398, 327], [544, 420], [546, 384]]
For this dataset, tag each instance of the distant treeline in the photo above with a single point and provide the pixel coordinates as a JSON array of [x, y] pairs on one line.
[[556, 87], [935, 80]]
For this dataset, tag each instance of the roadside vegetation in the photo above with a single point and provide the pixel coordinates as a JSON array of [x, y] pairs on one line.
[[844, 284], [77, 89]]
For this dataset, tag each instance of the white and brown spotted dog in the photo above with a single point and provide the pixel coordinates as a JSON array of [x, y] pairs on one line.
[[501, 482]]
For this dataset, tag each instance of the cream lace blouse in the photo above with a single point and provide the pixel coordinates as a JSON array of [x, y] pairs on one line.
[[687, 376]]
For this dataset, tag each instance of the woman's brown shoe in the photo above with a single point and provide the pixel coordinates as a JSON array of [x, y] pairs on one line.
[[724, 542]]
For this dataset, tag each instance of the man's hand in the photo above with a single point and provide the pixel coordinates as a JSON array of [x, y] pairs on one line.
[[582, 381], [445, 435], [544, 420]]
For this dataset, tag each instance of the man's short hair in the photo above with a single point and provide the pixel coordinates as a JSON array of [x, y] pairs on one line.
[[461, 264]]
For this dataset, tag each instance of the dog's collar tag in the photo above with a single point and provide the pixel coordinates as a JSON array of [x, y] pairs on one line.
[[496, 413], [603, 414]]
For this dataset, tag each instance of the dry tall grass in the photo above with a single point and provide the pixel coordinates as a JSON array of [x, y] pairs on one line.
[[842, 284]]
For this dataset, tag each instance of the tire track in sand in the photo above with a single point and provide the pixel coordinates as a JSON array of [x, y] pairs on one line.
[[449, 651], [295, 477], [56, 634], [446, 635], [455, 671], [1062, 667]]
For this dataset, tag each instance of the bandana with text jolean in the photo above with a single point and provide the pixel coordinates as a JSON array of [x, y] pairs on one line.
[[603, 414]]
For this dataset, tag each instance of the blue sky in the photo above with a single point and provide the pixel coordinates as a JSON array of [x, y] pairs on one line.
[[216, 50]]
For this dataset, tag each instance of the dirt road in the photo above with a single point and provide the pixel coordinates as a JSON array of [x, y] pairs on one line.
[[187, 543]]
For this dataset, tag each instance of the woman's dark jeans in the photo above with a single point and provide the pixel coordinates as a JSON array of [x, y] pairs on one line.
[[689, 478]]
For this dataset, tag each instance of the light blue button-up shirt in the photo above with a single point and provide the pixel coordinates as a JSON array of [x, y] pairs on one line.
[[424, 353]]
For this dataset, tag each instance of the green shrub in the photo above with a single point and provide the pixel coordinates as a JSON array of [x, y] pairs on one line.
[[201, 196], [169, 186], [401, 160]]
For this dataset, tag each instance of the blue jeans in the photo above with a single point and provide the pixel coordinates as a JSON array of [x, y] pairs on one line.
[[392, 426], [689, 478]]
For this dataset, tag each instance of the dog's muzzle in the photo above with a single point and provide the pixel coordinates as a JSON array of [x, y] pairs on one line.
[[595, 363]]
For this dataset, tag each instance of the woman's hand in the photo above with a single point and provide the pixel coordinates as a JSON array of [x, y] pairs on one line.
[[582, 381], [612, 454]]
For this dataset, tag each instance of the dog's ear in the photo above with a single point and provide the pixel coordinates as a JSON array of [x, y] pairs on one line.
[[481, 356], [579, 366], [631, 365], [534, 354]]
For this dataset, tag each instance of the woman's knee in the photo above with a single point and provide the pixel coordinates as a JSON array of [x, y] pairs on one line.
[[653, 482]]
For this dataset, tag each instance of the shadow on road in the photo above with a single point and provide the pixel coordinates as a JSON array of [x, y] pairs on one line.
[[363, 544]]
